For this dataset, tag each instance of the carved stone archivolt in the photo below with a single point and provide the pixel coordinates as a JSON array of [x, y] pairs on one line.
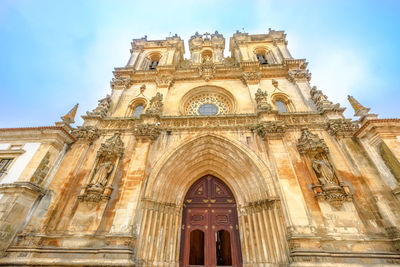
[[327, 186], [342, 127], [151, 131], [87, 133], [155, 105], [270, 129], [102, 108], [42, 170], [99, 185], [261, 98]]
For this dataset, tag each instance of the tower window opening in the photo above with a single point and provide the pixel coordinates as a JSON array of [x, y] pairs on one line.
[[153, 65], [280, 106], [138, 111], [261, 59]]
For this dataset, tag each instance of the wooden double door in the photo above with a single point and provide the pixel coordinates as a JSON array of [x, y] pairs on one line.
[[210, 231]]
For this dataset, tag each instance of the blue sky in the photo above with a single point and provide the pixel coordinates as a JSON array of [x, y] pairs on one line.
[[55, 54]]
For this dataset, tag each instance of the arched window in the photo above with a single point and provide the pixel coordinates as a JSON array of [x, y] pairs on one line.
[[261, 58], [280, 106], [137, 111]]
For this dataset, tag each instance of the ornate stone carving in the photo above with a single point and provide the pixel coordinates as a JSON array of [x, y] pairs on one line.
[[42, 170], [262, 101], [311, 143], [100, 178], [164, 81], [229, 62], [207, 69], [151, 131], [112, 148], [155, 105], [88, 133], [298, 75], [251, 77], [341, 127], [271, 129], [102, 108], [321, 101], [121, 83]]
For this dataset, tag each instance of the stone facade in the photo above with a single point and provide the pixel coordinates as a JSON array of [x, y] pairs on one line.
[[312, 188]]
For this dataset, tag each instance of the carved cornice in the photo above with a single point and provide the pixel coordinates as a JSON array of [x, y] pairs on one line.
[[120, 83], [311, 143], [271, 129], [341, 127], [251, 77]]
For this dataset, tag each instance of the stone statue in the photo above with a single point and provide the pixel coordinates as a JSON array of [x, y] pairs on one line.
[[100, 177], [324, 172], [262, 100]]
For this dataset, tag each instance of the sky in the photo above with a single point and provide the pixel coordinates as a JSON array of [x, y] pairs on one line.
[[57, 53]]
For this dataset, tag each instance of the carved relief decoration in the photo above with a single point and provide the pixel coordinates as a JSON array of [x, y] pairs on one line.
[[102, 108], [271, 129], [321, 101], [155, 105], [121, 83], [164, 81], [99, 185], [207, 69], [151, 131], [87, 133], [298, 75], [251, 77], [42, 170], [262, 101], [311, 143], [342, 127]]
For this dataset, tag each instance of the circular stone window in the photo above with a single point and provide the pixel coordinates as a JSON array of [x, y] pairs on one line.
[[207, 101], [208, 109]]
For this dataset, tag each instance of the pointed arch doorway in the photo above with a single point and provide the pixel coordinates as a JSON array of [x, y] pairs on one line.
[[210, 231]]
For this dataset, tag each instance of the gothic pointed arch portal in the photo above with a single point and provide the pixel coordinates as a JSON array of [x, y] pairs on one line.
[[210, 230]]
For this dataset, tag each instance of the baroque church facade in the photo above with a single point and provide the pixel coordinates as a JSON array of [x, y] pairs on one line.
[[207, 161]]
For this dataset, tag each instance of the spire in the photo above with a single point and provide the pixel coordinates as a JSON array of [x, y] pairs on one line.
[[359, 110], [70, 116]]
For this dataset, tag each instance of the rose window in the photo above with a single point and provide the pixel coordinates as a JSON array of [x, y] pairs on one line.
[[207, 105]]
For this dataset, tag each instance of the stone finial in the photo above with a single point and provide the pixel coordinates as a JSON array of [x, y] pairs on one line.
[[70, 116], [359, 110]]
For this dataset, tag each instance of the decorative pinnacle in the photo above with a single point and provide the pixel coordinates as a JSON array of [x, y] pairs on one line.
[[359, 110], [70, 116]]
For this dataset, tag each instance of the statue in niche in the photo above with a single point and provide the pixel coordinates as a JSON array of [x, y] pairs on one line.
[[102, 173], [324, 171]]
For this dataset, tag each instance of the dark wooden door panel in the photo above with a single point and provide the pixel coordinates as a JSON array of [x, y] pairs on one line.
[[210, 219]]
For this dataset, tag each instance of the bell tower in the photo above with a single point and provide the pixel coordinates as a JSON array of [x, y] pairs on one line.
[[148, 55], [207, 45]]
